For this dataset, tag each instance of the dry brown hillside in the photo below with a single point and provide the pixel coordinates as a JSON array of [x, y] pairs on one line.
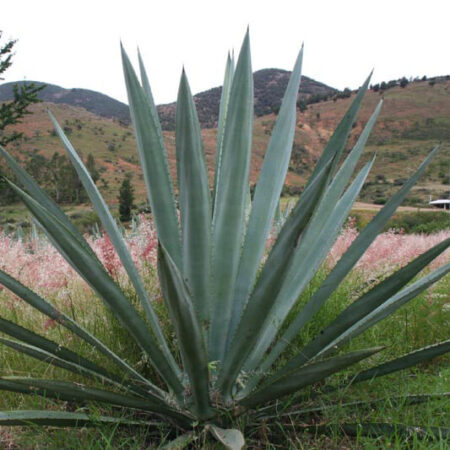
[[413, 120]]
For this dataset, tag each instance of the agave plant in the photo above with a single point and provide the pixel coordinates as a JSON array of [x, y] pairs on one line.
[[227, 299]]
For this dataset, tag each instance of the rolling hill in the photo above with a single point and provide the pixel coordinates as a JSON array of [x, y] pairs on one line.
[[270, 85], [95, 102], [413, 120]]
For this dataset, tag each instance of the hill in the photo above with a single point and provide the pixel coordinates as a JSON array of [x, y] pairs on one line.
[[270, 85], [413, 120], [92, 101]]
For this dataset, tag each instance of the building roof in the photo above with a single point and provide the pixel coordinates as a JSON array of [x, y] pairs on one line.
[[442, 201]]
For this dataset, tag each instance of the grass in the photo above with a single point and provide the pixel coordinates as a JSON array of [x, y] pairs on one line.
[[423, 321]]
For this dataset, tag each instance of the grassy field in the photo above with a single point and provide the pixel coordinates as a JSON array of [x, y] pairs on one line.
[[423, 321], [411, 219]]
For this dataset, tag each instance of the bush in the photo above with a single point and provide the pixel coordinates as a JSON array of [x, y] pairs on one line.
[[420, 222]]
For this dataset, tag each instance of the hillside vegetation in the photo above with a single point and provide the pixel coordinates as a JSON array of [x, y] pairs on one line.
[[270, 85], [413, 120]]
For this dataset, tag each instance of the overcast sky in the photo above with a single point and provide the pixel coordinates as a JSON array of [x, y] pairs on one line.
[[76, 43]]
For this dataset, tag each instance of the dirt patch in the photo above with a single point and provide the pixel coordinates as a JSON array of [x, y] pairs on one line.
[[371, 207]]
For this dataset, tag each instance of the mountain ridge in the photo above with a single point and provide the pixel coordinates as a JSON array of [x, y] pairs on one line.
[[270, 85]]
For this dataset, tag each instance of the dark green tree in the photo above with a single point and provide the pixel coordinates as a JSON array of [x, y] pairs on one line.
[[346, 93], [12, 112], [302, 105], [126, 198], [92, 168]]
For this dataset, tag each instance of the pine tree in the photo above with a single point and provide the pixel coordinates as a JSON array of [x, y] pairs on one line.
[[126, 198]]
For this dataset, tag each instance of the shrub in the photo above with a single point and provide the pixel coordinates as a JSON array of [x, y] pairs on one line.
[[228, 358], [421, 222], [126, 199]]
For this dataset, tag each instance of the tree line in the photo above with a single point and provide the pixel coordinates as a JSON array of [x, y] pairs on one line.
[[55, 174]]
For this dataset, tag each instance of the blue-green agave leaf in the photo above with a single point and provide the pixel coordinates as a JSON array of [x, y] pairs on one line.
[[189, 333], [117, 240], [404, 362], [97, 277], [344, 265], [223, 110], [267, 195], [229, 208], [365, 305], [155, 166], [63, 419], [300, 377], [194, 201], [261, 322], [59, 317]]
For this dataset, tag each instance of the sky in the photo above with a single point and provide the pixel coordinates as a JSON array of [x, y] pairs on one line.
[[76, 43]]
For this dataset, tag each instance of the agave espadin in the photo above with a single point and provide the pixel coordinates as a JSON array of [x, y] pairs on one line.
[[226, 306]]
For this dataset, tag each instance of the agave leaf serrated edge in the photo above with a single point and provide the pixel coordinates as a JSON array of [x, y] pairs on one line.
[[267, 195], [69, 391], [153, 157], [282, 384], [260, 322], [96, 276], [223, 109], [117, 240], [366, 304], [190, 337], [229, 208], [344, 265], [51, 311], [194, 201]]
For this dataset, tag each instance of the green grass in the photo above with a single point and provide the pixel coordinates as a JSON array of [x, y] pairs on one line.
[[423, 321]]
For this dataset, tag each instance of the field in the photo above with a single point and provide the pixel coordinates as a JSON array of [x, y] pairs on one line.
[[422, 321]]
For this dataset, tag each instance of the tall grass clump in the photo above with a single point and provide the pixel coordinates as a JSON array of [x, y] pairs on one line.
[[218, 352]]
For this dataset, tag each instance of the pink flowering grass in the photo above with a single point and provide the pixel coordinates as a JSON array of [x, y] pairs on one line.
[[37, 264], [390, 250]]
